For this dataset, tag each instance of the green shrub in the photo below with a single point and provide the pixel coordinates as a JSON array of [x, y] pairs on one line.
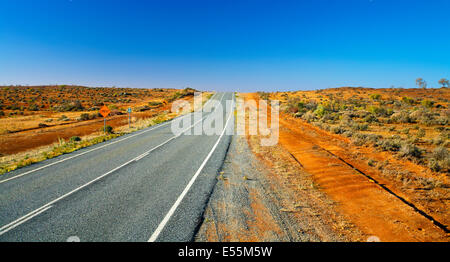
[[13, 107], [321, 111], [370, 118], [372, 162], [180, 94], [33, 107], [375, 96], [434, 165], [440, 153], [309, 116], [379, 111], [108, 129], [264, 95], [360, 127], [420, 133], [389, 144], [348, 133], [401, 117], [63, 117], [338, 129], [427, 103], [295, 105], [72, 106], [359, 140], [154, 103], [408, 100], [84, 117], [410, 150], [75, 139]]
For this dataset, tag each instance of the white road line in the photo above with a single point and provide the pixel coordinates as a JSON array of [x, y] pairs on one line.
[[166, 219], [23, 220], [41, 209], [141, 156], [94, 149]]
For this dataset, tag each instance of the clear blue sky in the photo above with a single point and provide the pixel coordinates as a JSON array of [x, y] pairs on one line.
[[225, 44]]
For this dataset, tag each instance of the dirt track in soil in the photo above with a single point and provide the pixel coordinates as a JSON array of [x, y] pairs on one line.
[[25, 140]]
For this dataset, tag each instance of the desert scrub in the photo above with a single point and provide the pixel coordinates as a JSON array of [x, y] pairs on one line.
[[389, 144], [12, 162], [372, 162], [440, 153], [108, 129], [378, 111], [408, 101], [406, 131], [359, 139], [360, 127], [264, 95], [375, 96], [421, 133], [410, 150], [440, 160], [33, 107], [86, 116], [427, 103], [309, 116], [401, 117], [424, 117], [180, 94], [338, 129], [370, 118], [75, 139], [155, 103], [60, 148], [71, 106]]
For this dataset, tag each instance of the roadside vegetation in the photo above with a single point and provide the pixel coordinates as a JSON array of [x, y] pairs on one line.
[[413, 124], [30, 107], [12, 162]]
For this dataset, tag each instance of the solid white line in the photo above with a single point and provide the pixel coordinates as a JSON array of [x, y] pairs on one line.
[[19, 222], [94, 149], [38, 211], [166, 219], [21, 218], [141, 156]]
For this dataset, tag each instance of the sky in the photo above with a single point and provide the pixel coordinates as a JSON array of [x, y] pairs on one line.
[[225, 45]]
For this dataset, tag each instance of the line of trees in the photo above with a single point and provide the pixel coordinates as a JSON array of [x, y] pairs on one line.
[[423, 84]]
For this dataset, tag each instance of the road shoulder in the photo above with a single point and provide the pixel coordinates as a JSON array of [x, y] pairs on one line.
[[257, 201]]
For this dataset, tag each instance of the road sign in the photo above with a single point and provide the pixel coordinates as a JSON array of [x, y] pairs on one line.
[[104, 111], [129, 117]]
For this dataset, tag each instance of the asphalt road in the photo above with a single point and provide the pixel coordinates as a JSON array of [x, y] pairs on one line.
[[151, 185]]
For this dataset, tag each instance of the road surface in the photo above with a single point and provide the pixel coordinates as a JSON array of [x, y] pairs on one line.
[[151, 185]]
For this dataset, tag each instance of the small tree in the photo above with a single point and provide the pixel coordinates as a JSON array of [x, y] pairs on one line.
[[108, 129], [375, 96], [421, 83], [444, 82]]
